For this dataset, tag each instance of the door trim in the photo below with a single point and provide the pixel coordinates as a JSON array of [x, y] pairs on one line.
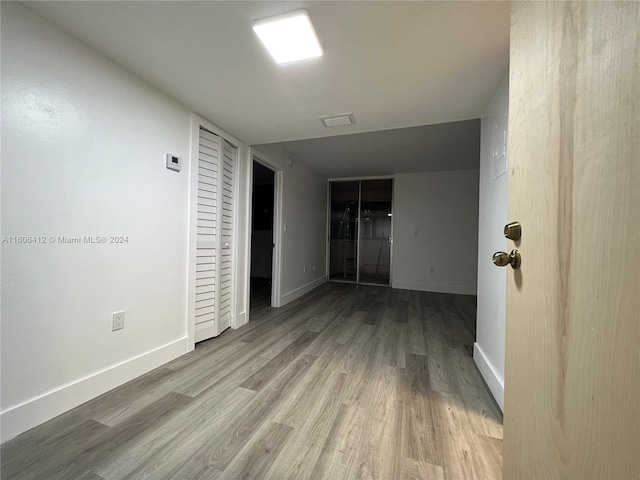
[[359, 235], [276, 259], [276, 263]]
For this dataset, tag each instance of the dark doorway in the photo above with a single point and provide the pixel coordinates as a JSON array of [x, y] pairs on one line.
[[262, 235]]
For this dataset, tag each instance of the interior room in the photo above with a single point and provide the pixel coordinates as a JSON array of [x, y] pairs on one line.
[[319, 240]]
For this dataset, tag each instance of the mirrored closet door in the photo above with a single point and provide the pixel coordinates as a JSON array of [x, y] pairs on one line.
[[361, 231]]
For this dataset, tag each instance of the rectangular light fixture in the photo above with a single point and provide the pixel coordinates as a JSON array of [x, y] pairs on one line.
[[289, 37]]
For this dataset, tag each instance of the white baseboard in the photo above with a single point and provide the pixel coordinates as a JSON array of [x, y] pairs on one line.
[[240, 320], [429, 287], [300, 291], [494, 381], [22, 417]]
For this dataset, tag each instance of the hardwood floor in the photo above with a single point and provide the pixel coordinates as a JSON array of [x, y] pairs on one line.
[[260, 293], [347, 382]]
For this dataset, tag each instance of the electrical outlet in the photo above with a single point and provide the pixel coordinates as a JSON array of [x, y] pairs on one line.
[[432, 269], [304, 269], [314, 269], [118, 321]]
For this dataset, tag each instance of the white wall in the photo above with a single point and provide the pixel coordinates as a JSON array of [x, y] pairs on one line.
[[83, 154], [435, 225], [304, 205], [492, 281]]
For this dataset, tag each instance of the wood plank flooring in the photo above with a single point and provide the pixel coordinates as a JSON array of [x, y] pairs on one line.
[[347, 382]]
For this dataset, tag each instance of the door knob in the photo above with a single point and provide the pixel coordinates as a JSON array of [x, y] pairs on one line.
[[502, 259]]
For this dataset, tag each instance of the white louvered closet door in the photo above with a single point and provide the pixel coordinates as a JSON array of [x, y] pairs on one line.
[[214, 226], [226, 232]]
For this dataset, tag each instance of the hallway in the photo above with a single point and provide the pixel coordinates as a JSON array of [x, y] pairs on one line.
[[346, 382]]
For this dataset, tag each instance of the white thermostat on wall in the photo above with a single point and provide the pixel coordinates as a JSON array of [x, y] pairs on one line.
[[173, 162]]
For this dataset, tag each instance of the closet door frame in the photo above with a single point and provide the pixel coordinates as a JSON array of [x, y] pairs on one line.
[[191, 169], [328, 249]]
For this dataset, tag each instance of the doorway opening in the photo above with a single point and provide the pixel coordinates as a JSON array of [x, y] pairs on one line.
[[262, 239]]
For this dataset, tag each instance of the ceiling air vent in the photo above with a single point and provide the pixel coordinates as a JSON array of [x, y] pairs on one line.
[[338, 120]]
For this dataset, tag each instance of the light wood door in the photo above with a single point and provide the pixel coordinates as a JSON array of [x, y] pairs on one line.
[[572, 383]]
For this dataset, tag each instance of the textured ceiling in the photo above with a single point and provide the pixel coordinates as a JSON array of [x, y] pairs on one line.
[[393, 64]]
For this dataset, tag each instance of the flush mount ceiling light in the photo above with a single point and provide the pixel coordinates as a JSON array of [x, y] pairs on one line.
[[338, 120], [289, 37]]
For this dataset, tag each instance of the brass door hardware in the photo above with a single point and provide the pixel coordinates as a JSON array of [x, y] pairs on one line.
[[502, 259], [513, 231]]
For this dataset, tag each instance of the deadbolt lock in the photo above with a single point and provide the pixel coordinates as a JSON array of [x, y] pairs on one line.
[[502, 259], [513, 231]]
